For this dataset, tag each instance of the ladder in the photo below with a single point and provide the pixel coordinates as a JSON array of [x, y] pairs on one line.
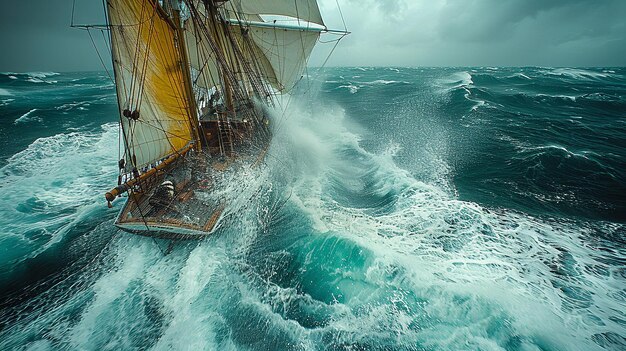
[[225, 135]]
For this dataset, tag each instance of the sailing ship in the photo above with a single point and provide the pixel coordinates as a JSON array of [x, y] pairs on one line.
[[195, 80]]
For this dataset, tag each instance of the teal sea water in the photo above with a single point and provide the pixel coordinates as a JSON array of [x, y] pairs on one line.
[[398, 209]]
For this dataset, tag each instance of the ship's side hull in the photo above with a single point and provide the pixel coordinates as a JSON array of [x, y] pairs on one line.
[[166, 231]]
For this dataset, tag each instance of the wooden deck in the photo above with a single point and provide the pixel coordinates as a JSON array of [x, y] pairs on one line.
[[189, 214], [184, 217]]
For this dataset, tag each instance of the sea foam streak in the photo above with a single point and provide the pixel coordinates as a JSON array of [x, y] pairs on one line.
[[26, 117]]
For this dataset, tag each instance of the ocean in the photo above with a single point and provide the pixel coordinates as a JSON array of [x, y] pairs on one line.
[[397, 209]]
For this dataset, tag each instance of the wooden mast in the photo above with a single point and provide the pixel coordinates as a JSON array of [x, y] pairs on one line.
[[193, 111], [223, 123], [219, 39]]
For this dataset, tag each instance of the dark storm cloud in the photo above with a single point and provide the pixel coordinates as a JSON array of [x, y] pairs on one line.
[[482, 32], [491, 20], [36, 35]]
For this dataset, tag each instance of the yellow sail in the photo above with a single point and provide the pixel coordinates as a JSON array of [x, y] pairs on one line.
[[157, 118]]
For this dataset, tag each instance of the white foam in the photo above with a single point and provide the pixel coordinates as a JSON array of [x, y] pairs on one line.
[[546, 148], [580, 74], [65, 174], [5, 102], [520, 75], [5, 92], [352, 88], [384, 82], [564, 97], [27, 117], [472, 266], [479, 104], [448, 248], [456, 81], [74, 105], [434, 272], [42, 75]]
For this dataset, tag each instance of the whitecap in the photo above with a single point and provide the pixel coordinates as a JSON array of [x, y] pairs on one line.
[[27, 117], [35, 80], [564, 97], [568, 153], [353, 88], [472, 265], [42, 75], [39, 169], [457, 80], [4, 92], [479, 103], [5, 102], [520, 75], [74, 105], [580, 74], [600, 97], [384, 82]]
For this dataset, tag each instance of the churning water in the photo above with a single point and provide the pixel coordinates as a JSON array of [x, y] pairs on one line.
[[398, 209]]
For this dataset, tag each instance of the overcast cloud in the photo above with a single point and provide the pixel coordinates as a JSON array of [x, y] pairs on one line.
[[36, 35], [480, 32]]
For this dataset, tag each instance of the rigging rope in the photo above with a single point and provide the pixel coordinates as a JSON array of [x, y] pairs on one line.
[[100, 56]]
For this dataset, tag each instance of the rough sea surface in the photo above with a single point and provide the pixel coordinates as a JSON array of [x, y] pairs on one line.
[[398, 209]]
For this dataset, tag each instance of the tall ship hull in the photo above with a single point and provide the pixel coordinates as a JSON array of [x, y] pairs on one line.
[[195, 82]]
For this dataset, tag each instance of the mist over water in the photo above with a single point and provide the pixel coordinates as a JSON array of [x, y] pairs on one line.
[[398, 209]]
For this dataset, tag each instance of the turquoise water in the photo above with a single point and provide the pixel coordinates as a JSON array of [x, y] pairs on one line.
[[398, 209]]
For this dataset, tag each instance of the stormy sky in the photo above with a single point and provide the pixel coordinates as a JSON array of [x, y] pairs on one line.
[[35, 34]]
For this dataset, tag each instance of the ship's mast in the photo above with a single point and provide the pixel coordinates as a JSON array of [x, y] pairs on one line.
[[193, 111], [222, 46], [235, 51]]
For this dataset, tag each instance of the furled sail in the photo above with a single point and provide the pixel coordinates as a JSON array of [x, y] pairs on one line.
[[157, 119], [306, 10]]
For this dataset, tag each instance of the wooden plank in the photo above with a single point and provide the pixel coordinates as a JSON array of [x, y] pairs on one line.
[[213, 220]]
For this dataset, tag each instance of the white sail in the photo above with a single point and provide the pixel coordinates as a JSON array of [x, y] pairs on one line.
[[306, 10], [281, 53], [287, 51], [201, 57]]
